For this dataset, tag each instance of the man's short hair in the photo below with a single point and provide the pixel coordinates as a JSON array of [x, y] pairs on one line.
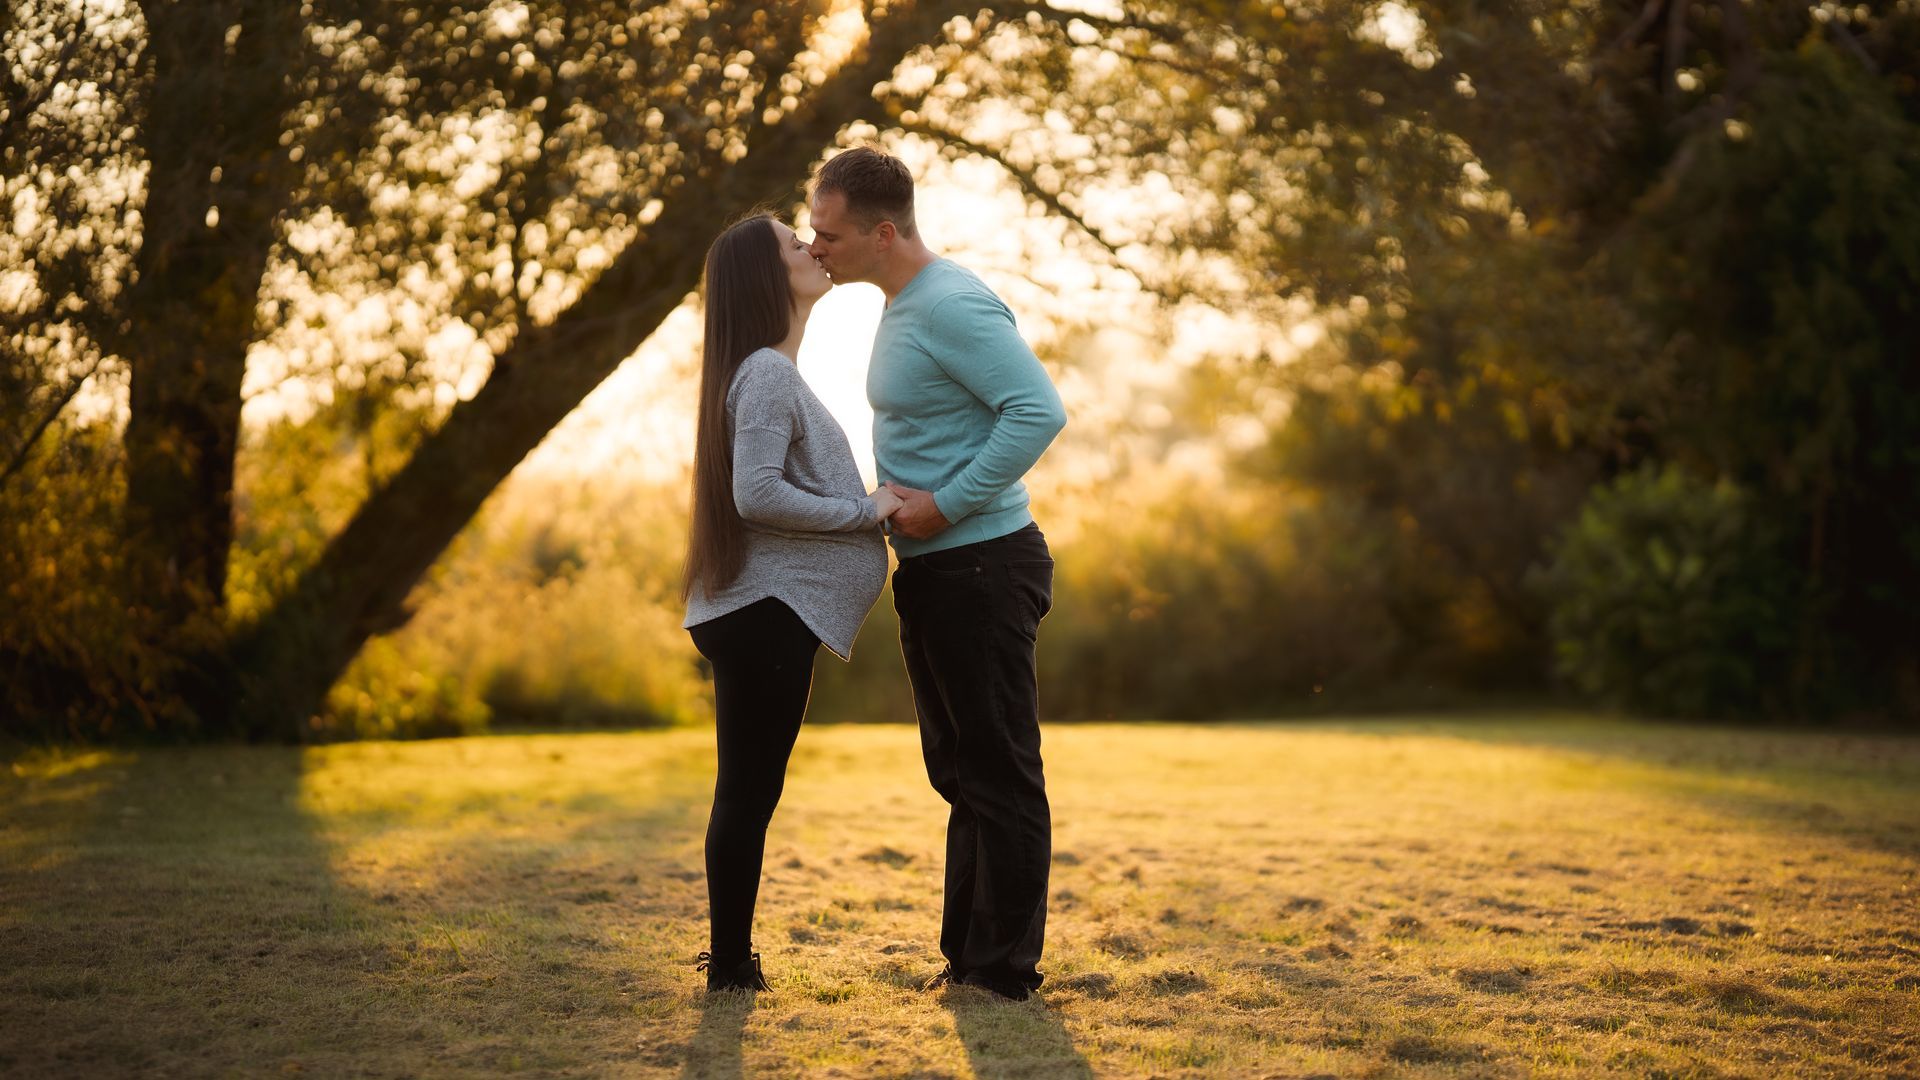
[[876, 185]]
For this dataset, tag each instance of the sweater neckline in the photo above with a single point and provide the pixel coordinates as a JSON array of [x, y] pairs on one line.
[[915, 280]]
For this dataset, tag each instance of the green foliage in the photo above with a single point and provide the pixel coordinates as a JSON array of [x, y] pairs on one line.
[[1449, 439], [71, 660], [873, 687], [557, 608], [1176, 599], [1546, 243], [396, 689], [1196, 602], [300, 480], [1732, 287], [1784, 268], [1669, 595]]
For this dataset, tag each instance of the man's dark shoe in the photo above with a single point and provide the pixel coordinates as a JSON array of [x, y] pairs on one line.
[[942, 980], [727, 974], [1006, 988]]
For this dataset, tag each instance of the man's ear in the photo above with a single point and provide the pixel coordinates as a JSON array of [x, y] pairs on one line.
[[883, 235]]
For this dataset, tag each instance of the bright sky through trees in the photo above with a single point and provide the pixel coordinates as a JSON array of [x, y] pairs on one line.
[[641, 420]]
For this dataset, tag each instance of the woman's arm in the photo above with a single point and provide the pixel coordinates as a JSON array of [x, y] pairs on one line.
[[765, 414]]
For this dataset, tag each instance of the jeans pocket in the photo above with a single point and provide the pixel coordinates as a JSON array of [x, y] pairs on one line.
[[1033, 579], [953, 563]]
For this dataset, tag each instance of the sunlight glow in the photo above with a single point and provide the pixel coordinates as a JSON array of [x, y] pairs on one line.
[[1401, 29], [833, 360]]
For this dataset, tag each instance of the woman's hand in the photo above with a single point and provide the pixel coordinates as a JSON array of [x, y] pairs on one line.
[[885, 502]]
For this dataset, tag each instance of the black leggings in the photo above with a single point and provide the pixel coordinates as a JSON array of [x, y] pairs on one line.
[[762, 657]]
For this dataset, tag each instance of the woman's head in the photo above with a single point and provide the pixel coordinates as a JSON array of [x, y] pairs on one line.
[[806, 278], [749, 299], [759, 279], [758, 276]]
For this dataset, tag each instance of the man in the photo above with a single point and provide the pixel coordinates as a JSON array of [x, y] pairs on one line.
[[961, 410]]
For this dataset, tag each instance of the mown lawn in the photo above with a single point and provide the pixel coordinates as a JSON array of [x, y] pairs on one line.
[[1513, 896]]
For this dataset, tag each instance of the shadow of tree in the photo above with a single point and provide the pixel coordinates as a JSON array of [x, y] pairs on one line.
[[184, 902], [198, 909]]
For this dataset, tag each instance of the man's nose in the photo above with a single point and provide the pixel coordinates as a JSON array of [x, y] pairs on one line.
[[814, 249]]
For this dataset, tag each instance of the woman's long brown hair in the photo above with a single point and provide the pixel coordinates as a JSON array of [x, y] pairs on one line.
[[749, 307]]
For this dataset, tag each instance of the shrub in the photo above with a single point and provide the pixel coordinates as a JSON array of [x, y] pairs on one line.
[[1669, 595]]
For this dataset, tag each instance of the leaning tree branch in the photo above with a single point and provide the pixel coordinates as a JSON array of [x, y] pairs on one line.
[[25, 451], [1025, 179], [359, 585]]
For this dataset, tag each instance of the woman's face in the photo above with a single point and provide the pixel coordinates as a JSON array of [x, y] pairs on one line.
[[809, 281]]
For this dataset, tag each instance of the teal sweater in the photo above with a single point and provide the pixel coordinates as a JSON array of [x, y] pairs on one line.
[[961, 406]]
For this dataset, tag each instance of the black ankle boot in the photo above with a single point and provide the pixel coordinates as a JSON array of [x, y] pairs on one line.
[[729, 974]]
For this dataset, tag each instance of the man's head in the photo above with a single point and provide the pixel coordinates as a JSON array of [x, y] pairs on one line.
[[862, 204]]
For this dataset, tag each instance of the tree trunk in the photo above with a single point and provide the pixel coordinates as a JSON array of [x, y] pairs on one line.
[[216, 185], [358, 588]]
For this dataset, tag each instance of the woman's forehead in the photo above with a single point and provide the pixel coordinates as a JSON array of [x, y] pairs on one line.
[[780, 229]]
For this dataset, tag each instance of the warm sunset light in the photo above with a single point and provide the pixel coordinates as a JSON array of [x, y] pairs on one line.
[[920, 538]]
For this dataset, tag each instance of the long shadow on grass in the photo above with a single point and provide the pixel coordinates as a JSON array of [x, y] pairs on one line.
[[715, 1051], [186, 910], [1008, 1041], [547, 928], [178, 910]]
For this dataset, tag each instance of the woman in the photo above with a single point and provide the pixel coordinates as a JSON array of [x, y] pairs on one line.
[[785, 554]]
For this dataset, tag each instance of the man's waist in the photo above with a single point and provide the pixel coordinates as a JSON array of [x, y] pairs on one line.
[[982, 527], [932, 446]]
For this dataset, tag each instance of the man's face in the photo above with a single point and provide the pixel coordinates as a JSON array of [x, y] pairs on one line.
[[846, 252]]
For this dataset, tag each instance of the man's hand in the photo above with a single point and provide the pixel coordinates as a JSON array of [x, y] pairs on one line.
[[918, 517], [885, 502]]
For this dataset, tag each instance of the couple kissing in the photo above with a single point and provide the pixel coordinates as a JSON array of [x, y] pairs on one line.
[[788, 552]]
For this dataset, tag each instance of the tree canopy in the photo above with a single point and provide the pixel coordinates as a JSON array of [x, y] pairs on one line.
[[1550, 241]]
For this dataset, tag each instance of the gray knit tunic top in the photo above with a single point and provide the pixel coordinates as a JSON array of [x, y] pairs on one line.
[[812, 538]]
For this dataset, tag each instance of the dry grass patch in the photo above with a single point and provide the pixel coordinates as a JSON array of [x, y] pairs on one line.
[[1560, 897]]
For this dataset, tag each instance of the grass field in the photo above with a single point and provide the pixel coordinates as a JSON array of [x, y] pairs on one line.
[[1503, 897]]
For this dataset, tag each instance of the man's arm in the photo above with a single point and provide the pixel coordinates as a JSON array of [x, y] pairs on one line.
[[974, 340]]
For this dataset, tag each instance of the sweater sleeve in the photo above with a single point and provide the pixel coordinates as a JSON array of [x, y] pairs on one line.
[[976, 343], [766, 411]]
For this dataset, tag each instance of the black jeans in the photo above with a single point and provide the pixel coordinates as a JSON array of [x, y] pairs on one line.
[[969, 617], [762, 657]]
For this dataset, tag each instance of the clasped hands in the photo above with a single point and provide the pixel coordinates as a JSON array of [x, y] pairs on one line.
[[911, 511]]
